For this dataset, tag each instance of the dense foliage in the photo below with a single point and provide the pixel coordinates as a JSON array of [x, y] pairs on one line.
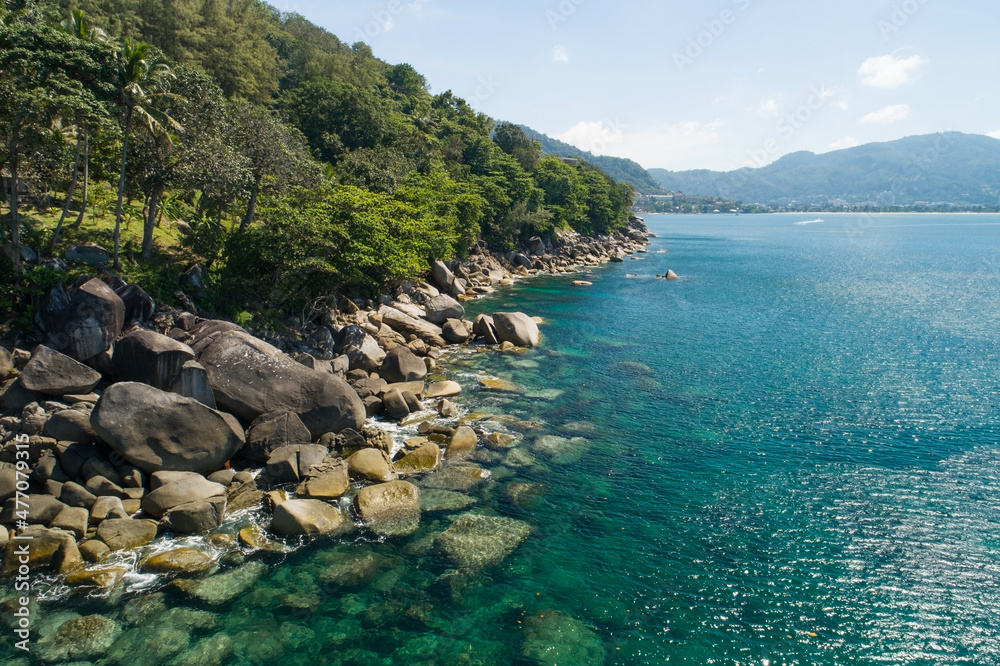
[[295, 164], [621, 169]]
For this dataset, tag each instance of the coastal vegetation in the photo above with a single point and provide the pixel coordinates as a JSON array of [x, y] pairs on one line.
[[287, 164]]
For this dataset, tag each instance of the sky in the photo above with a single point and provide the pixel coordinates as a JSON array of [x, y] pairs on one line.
[[697, 85]]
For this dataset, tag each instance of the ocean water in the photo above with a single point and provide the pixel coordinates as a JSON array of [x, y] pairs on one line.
[[787, 456]]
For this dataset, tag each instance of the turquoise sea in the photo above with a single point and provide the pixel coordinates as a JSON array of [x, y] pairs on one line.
[[787, 456]]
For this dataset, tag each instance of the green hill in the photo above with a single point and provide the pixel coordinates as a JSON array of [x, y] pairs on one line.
[[285, 162], [951, 167], [621, 169]]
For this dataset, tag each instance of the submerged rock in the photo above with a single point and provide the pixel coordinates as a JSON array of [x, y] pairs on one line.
[[502, 385], [552, 637], [224, 587], [560, 450], [81, 638], [434, 500], [474, 541], [390, 509], [461, 478]]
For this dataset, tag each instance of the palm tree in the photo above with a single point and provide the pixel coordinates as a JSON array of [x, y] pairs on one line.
[[78, 26], [142, 79]]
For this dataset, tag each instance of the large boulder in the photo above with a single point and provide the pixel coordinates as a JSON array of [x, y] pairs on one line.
[[182, 491], [139, 306], [192, 382], [327, 480], [370, 465], [290, 464], [423, 459], [179, 561], [442, 275], [390, 508], [273, 431], [402, 365], [91, 322], [42, 509], [196, 517], [71, 425], [125, 533], [155, 430], [89, 254], [442, 308], [406, 324], [456, 331], [251, 378], [6, 364], [306, 517], [484, 328], [150, 358], [53, 373], [14, 397], [361, 349], [49, 548], [517, 328]]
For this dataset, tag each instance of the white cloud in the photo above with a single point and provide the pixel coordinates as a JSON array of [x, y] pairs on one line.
[[844, 142], [559, 54], [887, 116], [995, 135], [770, 107], [678, 146], [594, 137], [417, 5], [889, 72]]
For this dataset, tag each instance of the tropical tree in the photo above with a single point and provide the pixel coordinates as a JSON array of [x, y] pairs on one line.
[[142, 79], [79, 27], [44, 76], [278, 154]]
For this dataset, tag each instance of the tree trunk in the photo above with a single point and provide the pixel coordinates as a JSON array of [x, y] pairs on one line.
[[86, 180], [252, 206], [121, 188], [150, 222], [70, 192]]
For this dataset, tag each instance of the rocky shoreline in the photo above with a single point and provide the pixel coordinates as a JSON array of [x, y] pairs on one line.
[[130, 429]]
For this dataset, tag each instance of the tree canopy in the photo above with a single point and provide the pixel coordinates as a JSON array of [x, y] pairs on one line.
[[298, 164]]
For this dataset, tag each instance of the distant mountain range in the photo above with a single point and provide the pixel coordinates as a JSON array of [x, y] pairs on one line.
[[951, 167], [621, 169]]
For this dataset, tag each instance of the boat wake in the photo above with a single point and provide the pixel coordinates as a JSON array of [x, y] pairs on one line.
[[799, 224]]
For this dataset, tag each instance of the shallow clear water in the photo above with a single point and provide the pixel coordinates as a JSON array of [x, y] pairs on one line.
[[790, 457]]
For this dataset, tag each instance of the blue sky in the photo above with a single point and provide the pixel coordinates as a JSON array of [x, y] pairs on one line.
[[684, 85]]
